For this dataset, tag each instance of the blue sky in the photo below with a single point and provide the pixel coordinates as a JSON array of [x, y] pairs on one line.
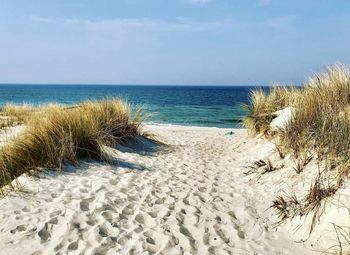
[[232, 42]]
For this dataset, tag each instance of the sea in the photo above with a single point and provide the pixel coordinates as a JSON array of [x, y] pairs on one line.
[[208, 106]]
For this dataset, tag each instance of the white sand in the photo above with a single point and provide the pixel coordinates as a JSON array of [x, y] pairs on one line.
[[190, 198], [282, 119]]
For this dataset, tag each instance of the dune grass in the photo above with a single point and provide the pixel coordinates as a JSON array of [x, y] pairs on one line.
[[263, 105], [343, 238], [319, 129], [61, 135], [12, 115]]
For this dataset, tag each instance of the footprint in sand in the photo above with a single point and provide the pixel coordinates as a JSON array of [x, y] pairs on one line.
[[84, 204], [107, 216], [54, 195], [102, 231], [19, 228], [55, 213], [91, 220], [25, 209], [73, 246], [192, 241], [44, 234], [240, 233], [221, 234]]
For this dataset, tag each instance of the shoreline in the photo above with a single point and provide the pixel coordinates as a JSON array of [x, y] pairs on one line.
[[175, 126], [189, 126]]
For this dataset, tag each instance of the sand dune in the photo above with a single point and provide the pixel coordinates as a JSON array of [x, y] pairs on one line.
[[191, 197]]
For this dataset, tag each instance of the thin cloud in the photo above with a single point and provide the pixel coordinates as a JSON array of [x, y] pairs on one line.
[[42, 19], [125, 24], [199, 2]]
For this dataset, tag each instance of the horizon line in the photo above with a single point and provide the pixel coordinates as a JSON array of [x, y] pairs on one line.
[[145, 84]]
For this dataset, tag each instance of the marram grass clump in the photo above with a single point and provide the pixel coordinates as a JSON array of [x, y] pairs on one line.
[[61, 135], [12, 115], [263, 105], [319, 129]]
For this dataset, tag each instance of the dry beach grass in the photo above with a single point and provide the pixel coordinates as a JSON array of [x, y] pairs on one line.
[[56, 135], [318, 130]]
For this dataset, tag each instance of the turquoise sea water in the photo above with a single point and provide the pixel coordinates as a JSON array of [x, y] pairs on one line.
[[211, 106]]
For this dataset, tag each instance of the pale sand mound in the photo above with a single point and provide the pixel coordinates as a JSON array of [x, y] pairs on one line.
[[283, 118], [190, 198]]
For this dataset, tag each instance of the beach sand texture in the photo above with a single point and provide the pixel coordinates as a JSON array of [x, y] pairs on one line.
[[191, 197]]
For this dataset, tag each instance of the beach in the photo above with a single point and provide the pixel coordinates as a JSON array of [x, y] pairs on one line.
[[192, 127], [189, 196]]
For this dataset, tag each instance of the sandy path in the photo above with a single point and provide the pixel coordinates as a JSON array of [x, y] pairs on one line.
[[191, 198]]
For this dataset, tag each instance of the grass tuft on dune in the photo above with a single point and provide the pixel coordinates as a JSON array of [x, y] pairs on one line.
[[12, 115], [263, 105], [60, 135], [319, 129]]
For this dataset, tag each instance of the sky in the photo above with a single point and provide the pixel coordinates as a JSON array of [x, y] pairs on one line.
[[198, 42]]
